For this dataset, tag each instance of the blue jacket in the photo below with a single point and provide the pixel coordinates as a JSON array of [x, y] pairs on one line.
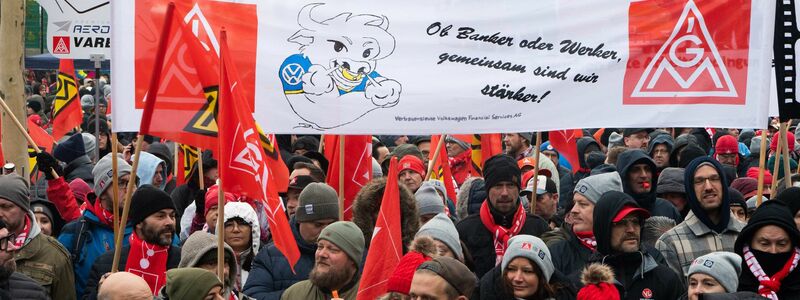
[[270, 274], [97, 239]]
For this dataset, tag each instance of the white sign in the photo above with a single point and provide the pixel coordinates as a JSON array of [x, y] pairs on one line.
[[78, 28], [470, 66]]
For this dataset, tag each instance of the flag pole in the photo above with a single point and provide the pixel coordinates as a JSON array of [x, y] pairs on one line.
[[202, 177], [176, 161], [24, 132], [321, 144], [536, 171], [220, 230], [761, 162], [115, 193], [144, 127], [787, 175], [341, 177], [435, 157], [778, 154]]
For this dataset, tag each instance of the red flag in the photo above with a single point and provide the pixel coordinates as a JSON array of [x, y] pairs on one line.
[[246, 172], [565, 142], [183, 88], [188, 157], [67, 113], [441, 169], [357, 166], [274, 161], [387, 241], [484, 146], [42, 139]]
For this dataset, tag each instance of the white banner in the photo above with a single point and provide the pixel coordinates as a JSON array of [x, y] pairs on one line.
[[470, 66], [78, 28]]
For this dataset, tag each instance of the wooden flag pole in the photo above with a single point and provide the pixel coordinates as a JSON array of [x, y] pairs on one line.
[[24, 132], [126, 207], [778, 155], [535, 171], [321, 144], [220, 230], [176, 158], [201, 177], [115, 193], [761, 158], [341, 177], [435, 157], [787, 175]]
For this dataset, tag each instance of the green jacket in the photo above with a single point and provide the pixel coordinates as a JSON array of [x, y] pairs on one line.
[[46, 261], [307, 290]]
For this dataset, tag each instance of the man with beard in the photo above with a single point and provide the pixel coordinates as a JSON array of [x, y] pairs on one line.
[[14, 285], [150, 252], [769, 247], [340, 250], [617, 227], [95, 221], [38, 256], [637, 172], [709, 227], [518, 145]]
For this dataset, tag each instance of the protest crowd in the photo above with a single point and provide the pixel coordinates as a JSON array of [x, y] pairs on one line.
[[629, 213]]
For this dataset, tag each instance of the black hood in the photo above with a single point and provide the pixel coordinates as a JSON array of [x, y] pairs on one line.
[[624, 162], [665, 139], [703, 139], [582, 144], [680, 142], [606, 208], [769, 213], [694, 203]]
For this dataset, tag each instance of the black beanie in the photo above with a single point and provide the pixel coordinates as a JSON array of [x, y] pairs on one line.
[[35, 106], [499, 168], [769, 213], [70, 149], [791, 197], [146, 201], [688, 154]]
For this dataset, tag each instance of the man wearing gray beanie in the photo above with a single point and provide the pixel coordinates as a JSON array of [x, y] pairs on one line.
[[270, 274], [444, 234], [722, 268], [575, 252], [518, 145], [37, 255], [429, 204], [337, 260]]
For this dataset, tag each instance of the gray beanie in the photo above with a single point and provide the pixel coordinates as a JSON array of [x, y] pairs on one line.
[[442, 229], [532, 248], [102, 172], [755, 144], [724, 266], [752, 201], [348, 237], [87, 101], [90, 144], [671, 181], [317, 201], [462, 144], [428, 201], [594, 186], [615, 139], [14, 188], [527, 135], [437, 184]]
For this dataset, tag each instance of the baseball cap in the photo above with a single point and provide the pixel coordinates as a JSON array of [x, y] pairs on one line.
[[454, 272], [543, 185], [300, 182], [629, 209]]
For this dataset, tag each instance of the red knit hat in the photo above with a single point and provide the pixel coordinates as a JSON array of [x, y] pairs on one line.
[[411, 162], [400, 281], [773, 145], [753, 173], [603, 290], [598, 283], [212, 198]]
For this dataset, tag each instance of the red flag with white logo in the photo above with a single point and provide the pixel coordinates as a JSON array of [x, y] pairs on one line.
[[387, 243], [357, 166], [245, 171], [566, 143]]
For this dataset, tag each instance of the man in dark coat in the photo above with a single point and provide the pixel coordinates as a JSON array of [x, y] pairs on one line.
[[270, 274], [73, 154], [15, 285], [617, 227], [637, 171], [501, 216]]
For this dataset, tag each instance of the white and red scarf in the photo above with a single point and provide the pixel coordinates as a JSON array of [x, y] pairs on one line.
[[501, 234], [587, 239], [19, 241], [148, 261], [769, 286]]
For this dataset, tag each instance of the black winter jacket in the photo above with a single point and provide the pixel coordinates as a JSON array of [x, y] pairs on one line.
[[103, 265], [656, 206], [491, 287], [80, 167], [480, 242], [270, 274], [19, 286]]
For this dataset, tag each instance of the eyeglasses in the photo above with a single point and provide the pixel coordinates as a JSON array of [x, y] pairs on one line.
[[702, 180], [6, 241], [628, 222]]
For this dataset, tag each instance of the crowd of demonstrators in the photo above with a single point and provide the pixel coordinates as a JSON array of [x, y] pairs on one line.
[[663, 213]]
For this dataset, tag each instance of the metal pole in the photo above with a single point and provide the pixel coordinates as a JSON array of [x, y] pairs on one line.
[[98, 62]]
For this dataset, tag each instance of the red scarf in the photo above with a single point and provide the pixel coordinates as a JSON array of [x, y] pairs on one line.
[[501, 234], [769, 286], [23, 235], [587, 239], [106, 217], [149, 262]]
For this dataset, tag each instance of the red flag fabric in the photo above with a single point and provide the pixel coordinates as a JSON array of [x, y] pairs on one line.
[[186, 89], [246, 172], [441, 169], [67, 113], [274, 161], [357, 167], [42, 139], [565, 142], [485, 146], [387, 242]]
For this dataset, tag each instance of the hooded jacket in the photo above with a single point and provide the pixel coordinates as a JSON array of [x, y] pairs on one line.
[[270, 274], [656, 206], [245, 212], [200, 243], [583, 169], [43, 259], [164, 153], [80, 167], [368, 203], [680, 142], [148, 164], [698, 235], [635, 271], [661, 139]]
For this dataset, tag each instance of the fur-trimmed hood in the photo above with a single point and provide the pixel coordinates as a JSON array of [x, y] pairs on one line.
[[368, 203]]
